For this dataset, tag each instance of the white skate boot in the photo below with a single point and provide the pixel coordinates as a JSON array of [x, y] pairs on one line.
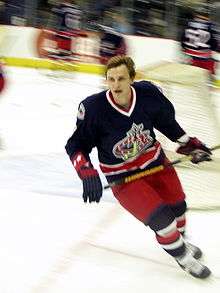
[[192, 266], [196, 251]]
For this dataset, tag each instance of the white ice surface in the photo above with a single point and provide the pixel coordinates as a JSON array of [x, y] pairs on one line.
[[50, 241]]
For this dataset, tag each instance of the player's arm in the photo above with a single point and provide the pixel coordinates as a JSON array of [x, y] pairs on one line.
[[164, 116], [167, 124], [182, 40], [215, 38], [78, 147]]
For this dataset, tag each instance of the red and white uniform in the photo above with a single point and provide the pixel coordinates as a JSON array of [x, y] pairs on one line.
[[2, 80], [68, 27], [198, 42]]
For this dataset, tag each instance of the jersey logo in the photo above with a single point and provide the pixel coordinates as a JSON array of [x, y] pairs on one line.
[[136, 142], [81, 112]]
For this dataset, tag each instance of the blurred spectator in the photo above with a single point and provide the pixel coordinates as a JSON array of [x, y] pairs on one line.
[[141, 17], [120, 23], [68, 16], [157, 24], [2, 12], [158, 18], [15, 12], [184, 15], [44, 15], [103, 6]]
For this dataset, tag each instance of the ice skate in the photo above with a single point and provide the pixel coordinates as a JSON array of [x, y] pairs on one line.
[[192, 266], [196, 251]]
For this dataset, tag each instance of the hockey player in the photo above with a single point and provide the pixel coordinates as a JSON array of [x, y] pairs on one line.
[[120, 123], [2, 79], [68, 27], [2, 85], [200, 39]]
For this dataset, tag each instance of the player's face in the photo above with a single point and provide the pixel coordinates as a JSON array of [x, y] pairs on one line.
[[119, 82]]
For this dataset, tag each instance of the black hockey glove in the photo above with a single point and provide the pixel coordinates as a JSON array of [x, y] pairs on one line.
[[194, 147], [92, 186]]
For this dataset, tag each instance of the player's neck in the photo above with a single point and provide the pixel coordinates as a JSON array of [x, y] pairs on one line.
[[123, 102]]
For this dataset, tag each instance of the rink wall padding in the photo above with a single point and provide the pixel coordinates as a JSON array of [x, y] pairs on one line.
[[53, 65], [18, 47]]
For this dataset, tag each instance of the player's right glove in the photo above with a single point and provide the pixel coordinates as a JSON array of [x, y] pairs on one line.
[[92, 186], [197, 149]]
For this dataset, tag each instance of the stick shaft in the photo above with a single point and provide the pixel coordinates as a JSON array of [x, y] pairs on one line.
[[153, 170]]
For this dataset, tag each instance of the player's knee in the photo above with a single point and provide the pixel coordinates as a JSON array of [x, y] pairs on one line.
[[164, 224], [162, 219], [179, 209], [179, 212]]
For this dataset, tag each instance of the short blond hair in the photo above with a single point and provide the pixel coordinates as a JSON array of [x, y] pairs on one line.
[[122, 60]]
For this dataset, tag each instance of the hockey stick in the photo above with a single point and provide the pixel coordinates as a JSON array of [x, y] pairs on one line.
[[153, 170]]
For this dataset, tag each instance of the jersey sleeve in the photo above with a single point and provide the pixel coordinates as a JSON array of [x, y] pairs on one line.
[[214, 43], [164, 120], [183, 39], [85, 134]]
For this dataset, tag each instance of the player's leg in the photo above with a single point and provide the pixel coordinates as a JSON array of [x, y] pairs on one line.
[[209, 65], [167, 184], [170, 188], [142, 201], [179, 211], [169, 222], [173, 243], [138, 198]]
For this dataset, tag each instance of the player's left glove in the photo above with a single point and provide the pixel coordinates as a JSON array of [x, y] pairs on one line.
[[92, 186], [194, 147]]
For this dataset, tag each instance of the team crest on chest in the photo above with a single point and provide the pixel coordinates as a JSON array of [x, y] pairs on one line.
[[136, 141]]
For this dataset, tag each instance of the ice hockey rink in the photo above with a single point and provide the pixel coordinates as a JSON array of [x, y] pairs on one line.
[[50, 240]]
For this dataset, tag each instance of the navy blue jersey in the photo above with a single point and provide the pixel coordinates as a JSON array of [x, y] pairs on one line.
[[125, 139], [199, 38], [69, 17]]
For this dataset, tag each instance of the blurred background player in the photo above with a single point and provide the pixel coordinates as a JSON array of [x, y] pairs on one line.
[[2, 79], [2, 85], [68, 25], [199, 40], [112, 43], [121, 123]]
